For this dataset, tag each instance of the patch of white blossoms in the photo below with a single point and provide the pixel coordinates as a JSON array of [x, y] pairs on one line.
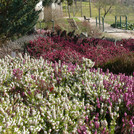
[[32, 99]]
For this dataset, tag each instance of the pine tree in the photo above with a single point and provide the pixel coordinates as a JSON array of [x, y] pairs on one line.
[[17, 17]]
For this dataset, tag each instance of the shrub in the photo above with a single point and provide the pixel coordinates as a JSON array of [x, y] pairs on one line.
[[41, 97], [127, 43], [64, 49], [123, 63], [90, 30], [15, 24], [130, 26]]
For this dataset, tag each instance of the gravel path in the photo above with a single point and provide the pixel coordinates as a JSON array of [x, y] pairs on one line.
[[113, 32]]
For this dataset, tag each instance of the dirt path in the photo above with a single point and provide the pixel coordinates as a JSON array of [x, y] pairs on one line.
[[112, 32]]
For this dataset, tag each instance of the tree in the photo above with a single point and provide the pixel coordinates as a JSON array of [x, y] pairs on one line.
[[90, 8], [17, 17], [81, 8], [105, 5], [69, 3], [52, 10], [98, 5], [125, 7]]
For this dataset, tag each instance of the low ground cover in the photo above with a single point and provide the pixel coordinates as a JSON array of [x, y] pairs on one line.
[[60, 92], [123, 63], [43, 97], [71, 50]]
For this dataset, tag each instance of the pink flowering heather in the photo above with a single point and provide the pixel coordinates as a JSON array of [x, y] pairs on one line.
[[17, 73], [57, 48], [38, 96]]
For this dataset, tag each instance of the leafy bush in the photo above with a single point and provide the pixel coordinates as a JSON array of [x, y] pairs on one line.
[[123, 63], [42, 97], [130, 26]]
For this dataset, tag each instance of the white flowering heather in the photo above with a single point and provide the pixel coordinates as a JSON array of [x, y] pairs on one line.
[[37, 96]]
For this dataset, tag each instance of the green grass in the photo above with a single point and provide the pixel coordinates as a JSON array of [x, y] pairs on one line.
[[62, 22], [110, 18], [41, 25]]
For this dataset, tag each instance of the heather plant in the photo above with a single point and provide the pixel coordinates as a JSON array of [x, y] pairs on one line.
[[65, 49], [123, 63], [127, 43], [38, 96]]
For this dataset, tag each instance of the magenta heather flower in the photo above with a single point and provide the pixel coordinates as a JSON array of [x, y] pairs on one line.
[[82, 130], [125, 114], [83, 82], [17, 73], [29, 92], [96, 124], [86, 119], [57, 48], [23, 93], [95, 132]]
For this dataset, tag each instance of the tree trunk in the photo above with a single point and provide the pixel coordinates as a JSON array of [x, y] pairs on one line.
[[81, 8], [90, 8], [66, 8], [99, 16], [61, 11], [73, 9], [69, 11], [107, 11], [75, 2]]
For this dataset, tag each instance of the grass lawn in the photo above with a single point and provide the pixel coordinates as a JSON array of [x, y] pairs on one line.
[[110, 18], [61, 22]]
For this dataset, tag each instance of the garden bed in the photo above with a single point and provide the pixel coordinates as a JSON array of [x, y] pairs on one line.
[[44, 97], [72, 49], [57, 90]]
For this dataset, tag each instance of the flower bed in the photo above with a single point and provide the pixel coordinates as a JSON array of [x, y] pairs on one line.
[[43, 97], [58, 48]]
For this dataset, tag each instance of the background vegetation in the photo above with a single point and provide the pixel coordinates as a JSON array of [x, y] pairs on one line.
[[116, 9]]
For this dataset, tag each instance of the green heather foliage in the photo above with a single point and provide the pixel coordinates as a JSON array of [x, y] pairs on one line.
[[120, 64], [41, 97], [17, 17]]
